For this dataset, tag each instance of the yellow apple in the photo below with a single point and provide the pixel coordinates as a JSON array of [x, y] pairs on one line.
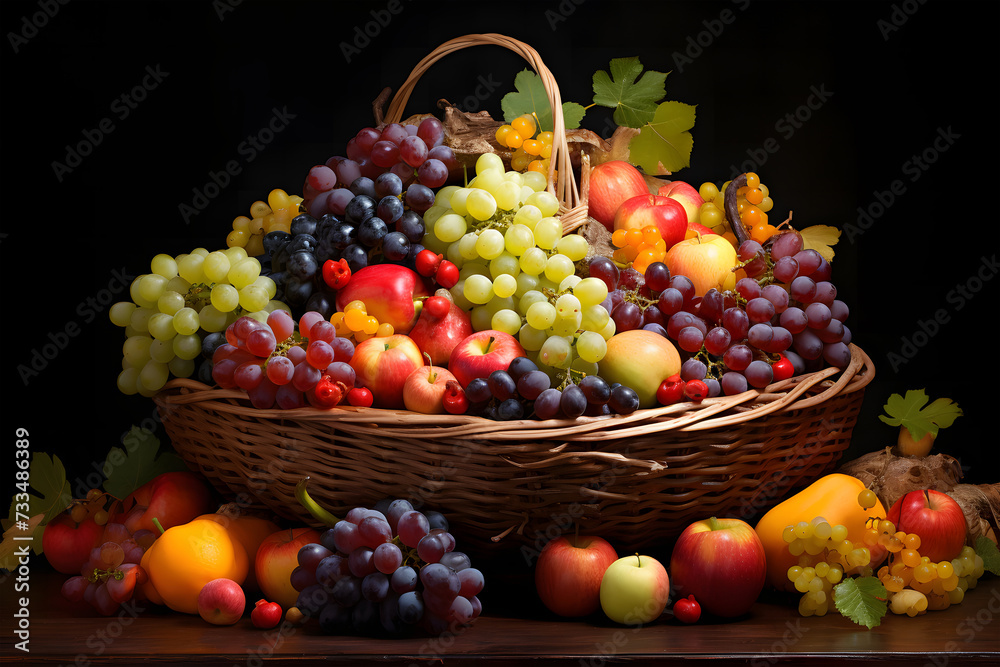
[[640, 359], [708, 260]]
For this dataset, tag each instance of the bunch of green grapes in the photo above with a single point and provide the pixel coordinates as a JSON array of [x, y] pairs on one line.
[[179, 302], [517, 271]]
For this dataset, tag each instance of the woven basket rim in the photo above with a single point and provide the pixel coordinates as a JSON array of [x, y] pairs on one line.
[[798, 393]]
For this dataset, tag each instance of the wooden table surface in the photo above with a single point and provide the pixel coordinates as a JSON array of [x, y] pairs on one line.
[[772, 633]]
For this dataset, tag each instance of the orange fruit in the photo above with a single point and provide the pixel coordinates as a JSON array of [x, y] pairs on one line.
[[186, 557], [249, 531]]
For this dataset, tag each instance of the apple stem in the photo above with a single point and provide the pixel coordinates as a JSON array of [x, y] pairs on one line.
[[489, 344], [432, 376], [638, 558], [156, 522], [714, 523]]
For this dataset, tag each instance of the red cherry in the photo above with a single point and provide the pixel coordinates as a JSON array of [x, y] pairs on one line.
[[687, 610], [360, 397], [437, 306], [782, 369], [446, 275], [265, 615], [426, 262]]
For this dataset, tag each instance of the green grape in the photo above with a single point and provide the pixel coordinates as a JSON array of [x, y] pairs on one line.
[[191, 268], [566, 324], [459, 200], [474, 269], [137, 297], [170, 302], [225, 297], [432, 242], [558, 267], [151, 287], [591, 291], [458, 295], [121, 313], [466, 246], [567, 305], [505, 285], [177, 284], [161, 351], [153, 376], [506, 320], [518, 238], [535, 180], [480, 317], [525, 283], [568, 283], [526, 192], [212, 319], [585, 367], [531, 339], [489, 180], [547, 231], [135, 350], [186, 321], [481, 204], [528, 215], [488, 161], [259, 315], [235, 254], [556, 351], [453, 253], [594, 318], [573, 246], [609, 330], [490, 243], [508, 195], [504, 264], [528, 298], [161, 326], [450, 227], [533, 261], [514, 177], [540, 314], [478, 289], [267, 284], [200, 251], [216, 266], [187, 346], [545, 201], [253, 298], [591, 346], [164, 265], [244, 272], [181, 368], [140, 319], [128, 381]]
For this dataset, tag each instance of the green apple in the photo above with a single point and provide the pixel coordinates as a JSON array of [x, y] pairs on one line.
[[640, 359], [634, 590]]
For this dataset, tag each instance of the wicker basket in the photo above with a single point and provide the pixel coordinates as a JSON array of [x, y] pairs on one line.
[[636, 479]]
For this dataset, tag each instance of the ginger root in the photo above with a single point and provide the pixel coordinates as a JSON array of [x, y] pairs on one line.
[[892, 476]]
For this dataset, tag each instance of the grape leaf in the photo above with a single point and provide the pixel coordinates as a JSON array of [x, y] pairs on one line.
[[861, 599], [910, 411], [530, 97], [664, 144], [126, 470], [987, 550], [47, 477], [634, 101], [820, 238]]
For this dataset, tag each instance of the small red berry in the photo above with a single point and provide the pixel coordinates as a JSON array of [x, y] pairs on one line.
[[696, 390], [265, 615], [687, 610], [782, 369], [426, 262], [437, 306], [670, 390], [360, 397], [446, 275]]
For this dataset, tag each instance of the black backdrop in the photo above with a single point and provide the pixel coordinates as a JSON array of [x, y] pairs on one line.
[[873, 86]]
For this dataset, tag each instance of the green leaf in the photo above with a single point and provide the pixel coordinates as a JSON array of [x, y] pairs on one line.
[[126, 470], [910, 412], [987, 550], [47, 477], [634, 101], [530, 98], [664, 144], [861, 599]]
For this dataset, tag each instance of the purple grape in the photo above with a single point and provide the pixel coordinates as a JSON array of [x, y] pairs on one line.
[[533, 383], [595, 388], [786, 244], [573, 401], [733, 383], [657, 277], [785, 269], [759, 374], [623, 400], [605, 269], [548, 404], [737, 357]]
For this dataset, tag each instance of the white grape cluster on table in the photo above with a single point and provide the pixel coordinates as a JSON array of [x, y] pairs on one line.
[[178, 299], [517, 272]]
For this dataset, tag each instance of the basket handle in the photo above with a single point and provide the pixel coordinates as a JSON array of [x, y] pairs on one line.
[[564, 185]]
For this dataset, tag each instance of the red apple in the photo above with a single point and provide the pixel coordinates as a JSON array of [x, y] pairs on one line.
[[172, 498], [382, 364], [221, 602], [424, 389], [687, 195], [721, 562], [438, 336], [635, 590], [611, 183], [935, 517], [67, 544], [481, 353], [642, 360], [391, 293], [708, 260], [664, 213], [569, 572], [276, 557]]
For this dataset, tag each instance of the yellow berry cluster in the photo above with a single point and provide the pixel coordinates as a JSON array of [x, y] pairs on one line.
[[531, 152], [752, 200], [355, 323], [275, 214], [640, 247], [824, 554]]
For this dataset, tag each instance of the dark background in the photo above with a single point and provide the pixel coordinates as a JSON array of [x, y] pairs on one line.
[[896, 75]]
